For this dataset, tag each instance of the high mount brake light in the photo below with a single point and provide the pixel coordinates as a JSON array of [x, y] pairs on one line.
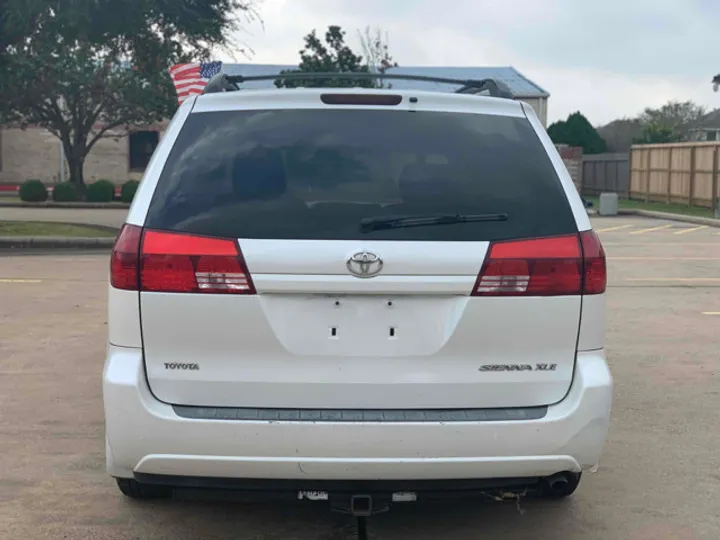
[[156, 261], [556, 266], [361, 99]]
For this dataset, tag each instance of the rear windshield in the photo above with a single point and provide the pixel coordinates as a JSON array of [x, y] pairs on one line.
[[316, 174]]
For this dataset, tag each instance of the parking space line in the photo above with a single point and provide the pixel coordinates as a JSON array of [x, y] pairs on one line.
[[4, 280], [619, 227], [688, 279], [663, 258], [711, 312], [685, 231], [651, 229], [661, 244]]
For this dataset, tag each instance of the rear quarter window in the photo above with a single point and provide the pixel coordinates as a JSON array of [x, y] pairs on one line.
[[316, 174]]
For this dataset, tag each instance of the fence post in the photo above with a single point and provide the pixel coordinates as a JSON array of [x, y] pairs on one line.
[[692, 176], [714, 197], [669, 175], [648, 152], [630, 173]]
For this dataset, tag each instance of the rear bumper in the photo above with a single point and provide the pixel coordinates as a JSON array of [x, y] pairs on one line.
[[146, 436]]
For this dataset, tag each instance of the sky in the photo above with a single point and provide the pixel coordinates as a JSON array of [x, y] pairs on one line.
[[607, 59]]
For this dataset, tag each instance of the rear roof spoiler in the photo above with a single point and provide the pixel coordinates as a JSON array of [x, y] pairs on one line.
[[492, 87]]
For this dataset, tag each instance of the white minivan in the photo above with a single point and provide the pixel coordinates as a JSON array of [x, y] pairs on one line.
[[344, 292]]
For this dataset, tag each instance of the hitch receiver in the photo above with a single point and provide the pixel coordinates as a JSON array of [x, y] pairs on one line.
[[361, 505]]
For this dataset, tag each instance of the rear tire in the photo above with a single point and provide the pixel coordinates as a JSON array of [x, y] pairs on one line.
[[560, 486], [142, 492]]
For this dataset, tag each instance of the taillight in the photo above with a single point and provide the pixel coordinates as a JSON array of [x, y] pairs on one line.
[[595, 275], [543, 267], [181, 263], [124, 259], [172, 262]]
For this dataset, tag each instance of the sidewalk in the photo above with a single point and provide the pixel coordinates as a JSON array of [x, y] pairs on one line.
[[86, 216]]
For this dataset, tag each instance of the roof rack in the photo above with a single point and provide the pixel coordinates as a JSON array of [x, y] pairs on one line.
[[230, 83]]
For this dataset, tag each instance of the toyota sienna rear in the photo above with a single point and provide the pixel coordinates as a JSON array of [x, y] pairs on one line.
[[355, 290]]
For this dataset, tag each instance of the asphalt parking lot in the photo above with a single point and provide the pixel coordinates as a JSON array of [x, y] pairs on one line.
[[659, 478]]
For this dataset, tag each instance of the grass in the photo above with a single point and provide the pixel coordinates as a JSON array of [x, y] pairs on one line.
[[37, 228], [671, 208]]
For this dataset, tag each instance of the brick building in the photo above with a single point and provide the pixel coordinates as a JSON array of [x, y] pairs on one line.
[[35, 153]]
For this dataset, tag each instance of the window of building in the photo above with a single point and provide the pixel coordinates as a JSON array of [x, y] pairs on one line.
[[142, 145], [712, 135]]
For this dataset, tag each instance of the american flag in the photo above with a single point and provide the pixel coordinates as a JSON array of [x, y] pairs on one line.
[[190, 79]]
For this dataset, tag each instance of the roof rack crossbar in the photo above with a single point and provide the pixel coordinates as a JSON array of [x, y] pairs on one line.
[[491, 86], [228, 83]]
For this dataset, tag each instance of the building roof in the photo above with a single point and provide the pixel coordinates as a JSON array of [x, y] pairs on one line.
[[710, 121], [521, 86]]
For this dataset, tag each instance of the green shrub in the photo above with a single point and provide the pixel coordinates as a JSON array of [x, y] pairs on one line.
[[33, 191], [64, 192], [102, 191], [127, 193]]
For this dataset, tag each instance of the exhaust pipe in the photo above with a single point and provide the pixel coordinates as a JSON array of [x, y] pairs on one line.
[[557, 482], [560, 485]]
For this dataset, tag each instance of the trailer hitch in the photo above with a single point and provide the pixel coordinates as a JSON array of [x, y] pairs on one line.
[[360, 506]]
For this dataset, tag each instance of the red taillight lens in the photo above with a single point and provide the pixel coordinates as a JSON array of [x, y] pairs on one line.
[[595, 275], [124, 259], [168, 262], [537, 267], [171, 262]]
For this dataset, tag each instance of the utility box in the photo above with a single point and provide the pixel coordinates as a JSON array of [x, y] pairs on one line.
[[608, 204]]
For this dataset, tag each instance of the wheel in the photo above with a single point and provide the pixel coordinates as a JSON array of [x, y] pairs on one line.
[[135, 490], [559, 486]]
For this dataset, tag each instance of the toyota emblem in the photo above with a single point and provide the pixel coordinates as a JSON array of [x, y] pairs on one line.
[[364, 264]]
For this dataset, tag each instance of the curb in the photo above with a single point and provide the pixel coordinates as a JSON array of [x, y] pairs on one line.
[[49, 242], [52, 204], [710, 222]]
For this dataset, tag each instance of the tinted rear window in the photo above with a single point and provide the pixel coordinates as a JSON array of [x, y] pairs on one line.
[[315, 174]]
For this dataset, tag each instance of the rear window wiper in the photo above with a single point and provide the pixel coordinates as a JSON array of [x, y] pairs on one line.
[[399, 222]]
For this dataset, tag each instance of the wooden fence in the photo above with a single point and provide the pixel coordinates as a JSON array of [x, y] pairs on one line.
[[685, 173]]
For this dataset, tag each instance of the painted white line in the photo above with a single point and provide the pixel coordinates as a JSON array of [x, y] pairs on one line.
[[651, 229], [685, 231], [6, 280], [711, 312]]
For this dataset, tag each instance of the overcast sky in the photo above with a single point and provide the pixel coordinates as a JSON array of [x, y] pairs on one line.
[[608, 59]]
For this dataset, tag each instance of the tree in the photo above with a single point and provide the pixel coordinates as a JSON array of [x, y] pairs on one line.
[[657, 134], [374, 43], [88, 67], [675, 116], [333, 56], [577, 131], [619, 135], [669, 123]]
